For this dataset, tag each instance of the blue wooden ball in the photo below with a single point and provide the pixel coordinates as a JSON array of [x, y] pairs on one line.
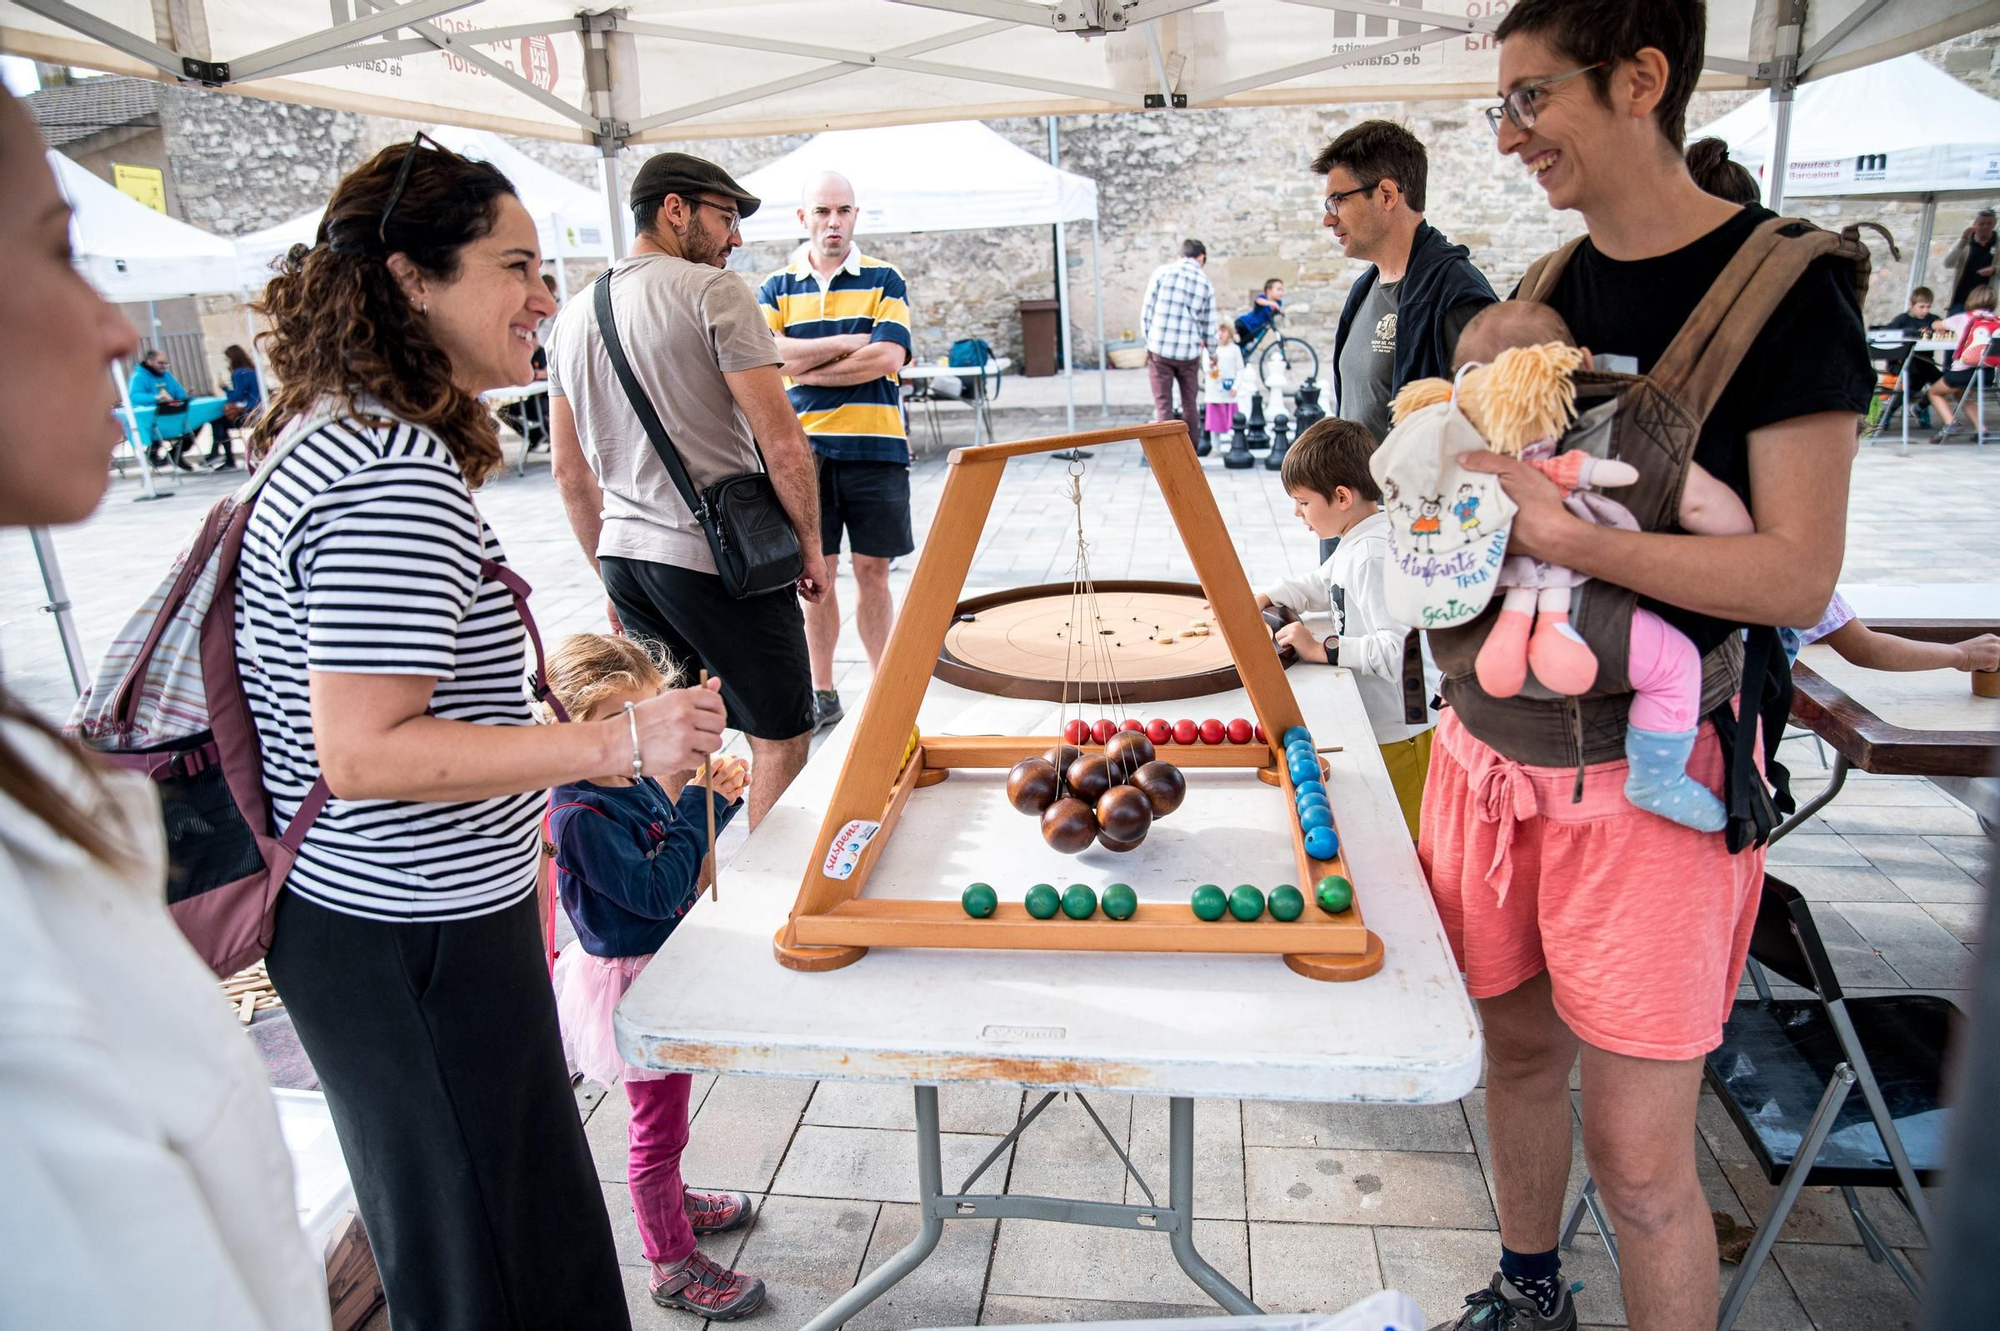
[[1308, 800], [1312, 787], [1322, 843], [1297, 733], [1316, 817]]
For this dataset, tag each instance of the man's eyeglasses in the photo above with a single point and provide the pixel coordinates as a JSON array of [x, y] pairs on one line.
[[1333, 200], [1519, 105], [734, 218], [403, 181]]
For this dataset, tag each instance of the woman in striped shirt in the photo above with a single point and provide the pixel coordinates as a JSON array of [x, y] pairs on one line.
[[381, 647]]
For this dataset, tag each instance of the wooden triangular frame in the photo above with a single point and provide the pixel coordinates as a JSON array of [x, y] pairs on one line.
[[831, 925]]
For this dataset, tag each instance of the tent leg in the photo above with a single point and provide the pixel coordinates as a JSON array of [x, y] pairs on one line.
[[58, 604], [1784, 87], [1062, 299], [132, 439], [1097, 285], [608, 168], [1921, 260]]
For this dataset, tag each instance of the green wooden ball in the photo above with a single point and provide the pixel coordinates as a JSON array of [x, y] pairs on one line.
[[1287, 903], [1209, 902], [1335, 894], [1119, 901], [1079, 902], [979, 900], [1042, 901], [1246, 902]]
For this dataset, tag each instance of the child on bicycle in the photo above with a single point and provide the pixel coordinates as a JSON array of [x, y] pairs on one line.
[[1266, 306], [628, 858]]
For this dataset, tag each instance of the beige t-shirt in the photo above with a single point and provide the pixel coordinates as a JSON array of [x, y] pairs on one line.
[[683, 325]]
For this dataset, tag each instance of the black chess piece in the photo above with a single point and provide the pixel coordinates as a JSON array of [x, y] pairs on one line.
[[1238, 457], [1306, 409], [1257, 437], [1281, 441], [1205, 445]]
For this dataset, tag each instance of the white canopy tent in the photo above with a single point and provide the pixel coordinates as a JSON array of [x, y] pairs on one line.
[[571, 220], [132, 254], [956, 176], [1902, 129]]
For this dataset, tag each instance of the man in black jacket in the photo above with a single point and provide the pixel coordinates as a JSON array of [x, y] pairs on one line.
[[1403, 316]]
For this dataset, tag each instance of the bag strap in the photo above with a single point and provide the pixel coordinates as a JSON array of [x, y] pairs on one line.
[[1698, 365], [1542, 274], [518, 586], [642, 405]]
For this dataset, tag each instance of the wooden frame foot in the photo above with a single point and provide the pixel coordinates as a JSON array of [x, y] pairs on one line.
[[930, 776], [1339, 966], [798, 957]]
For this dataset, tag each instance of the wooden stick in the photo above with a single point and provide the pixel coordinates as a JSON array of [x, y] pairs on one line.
[[708, 807]]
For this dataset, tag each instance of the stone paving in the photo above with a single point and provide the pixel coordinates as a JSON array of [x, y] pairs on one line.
[[1303, 1206]]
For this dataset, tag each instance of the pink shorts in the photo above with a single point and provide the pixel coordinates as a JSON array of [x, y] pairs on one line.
[[1642, 924]]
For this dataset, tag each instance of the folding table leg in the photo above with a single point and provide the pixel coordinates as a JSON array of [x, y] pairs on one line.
[[1180, 1198], [930, 1186]]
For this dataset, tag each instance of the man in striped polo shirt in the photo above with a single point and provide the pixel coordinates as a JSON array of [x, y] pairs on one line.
[[842, 322]]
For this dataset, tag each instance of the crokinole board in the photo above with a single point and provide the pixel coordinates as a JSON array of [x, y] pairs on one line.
[[1159, 635]]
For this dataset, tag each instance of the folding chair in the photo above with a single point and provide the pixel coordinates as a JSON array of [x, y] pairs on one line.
[[1977, 387], [1785, 1072]]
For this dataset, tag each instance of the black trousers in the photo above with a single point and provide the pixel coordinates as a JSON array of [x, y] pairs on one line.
[[437, 1047]]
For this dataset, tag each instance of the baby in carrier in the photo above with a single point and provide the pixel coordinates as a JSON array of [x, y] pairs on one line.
[[1533, 629]]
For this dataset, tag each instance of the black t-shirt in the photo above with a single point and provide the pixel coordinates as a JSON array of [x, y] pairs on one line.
[[1977, 256], [1812, 357]]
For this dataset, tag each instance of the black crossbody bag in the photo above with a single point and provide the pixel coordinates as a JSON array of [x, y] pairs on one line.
[[750, 534]]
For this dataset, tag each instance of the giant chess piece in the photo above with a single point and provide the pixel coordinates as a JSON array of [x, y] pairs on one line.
[[1238, 457], [1258, 437], [1306, 408], [1281, 441]]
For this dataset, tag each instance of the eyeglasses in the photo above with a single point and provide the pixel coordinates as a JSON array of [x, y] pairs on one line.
[[735, 218], [1333, 200], [403, 181], [1519, 105]]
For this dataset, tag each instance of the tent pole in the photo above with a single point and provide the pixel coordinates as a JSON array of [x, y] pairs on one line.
[[1784, 86], [256, 356], [58, 604], [1062, 298], [1097, 286], [153, 319], [1920, 261], [132, 439], [608, 169]]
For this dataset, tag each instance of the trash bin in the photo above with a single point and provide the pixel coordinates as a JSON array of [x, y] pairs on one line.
[[1039, 337]]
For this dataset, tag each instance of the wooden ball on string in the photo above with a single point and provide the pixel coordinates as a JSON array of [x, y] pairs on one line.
[[1068, 825], [1031, 785]]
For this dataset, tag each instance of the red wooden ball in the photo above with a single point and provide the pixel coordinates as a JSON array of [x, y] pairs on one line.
[[1259, 732], [1068, 825], [1159, 730], [1186, 732], [1104, 730], [1077, 731], [1120, 846], [1127, 752], [1212, 731], [1238, 731], [1124, 814], [1089, 777], [1163, 786], [1061, 756], [1031, 785], [1130, 724]]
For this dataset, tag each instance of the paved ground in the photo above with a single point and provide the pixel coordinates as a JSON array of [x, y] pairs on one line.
[[1306, 1207]]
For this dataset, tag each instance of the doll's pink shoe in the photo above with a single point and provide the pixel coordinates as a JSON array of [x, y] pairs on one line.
[[1502, 664], [1560, 658]]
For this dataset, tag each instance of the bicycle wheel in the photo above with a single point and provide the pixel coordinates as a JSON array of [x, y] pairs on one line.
[[1295, 355]]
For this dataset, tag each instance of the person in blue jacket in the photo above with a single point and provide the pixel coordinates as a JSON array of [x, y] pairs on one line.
[[628, 867], [154, 385], [244, 396]]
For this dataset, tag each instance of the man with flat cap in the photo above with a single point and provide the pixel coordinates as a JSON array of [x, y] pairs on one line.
[[700, 348]]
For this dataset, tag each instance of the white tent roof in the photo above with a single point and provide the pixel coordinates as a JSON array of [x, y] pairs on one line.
[[570, 219], [1903, 127], [653, 70], [949, 177], [131, 253]]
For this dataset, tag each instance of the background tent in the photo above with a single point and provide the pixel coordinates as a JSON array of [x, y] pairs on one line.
[[958, 176], [571, 220], [131, 253]]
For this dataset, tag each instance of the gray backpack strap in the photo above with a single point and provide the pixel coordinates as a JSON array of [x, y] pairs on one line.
[[1542, 274]]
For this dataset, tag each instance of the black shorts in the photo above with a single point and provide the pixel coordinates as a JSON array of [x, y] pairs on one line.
[[1957, 378], [871, 500], [756, 647]]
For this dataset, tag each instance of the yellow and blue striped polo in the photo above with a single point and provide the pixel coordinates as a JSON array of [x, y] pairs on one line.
[[859, 422]]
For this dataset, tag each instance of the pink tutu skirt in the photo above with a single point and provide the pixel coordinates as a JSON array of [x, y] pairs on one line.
[[587, 990], [1220, 417]]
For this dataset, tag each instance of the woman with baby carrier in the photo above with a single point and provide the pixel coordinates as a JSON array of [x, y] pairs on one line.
[[1583, 923], [381, 641]]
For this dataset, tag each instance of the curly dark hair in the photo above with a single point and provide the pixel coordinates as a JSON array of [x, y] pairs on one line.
[[342, 327]]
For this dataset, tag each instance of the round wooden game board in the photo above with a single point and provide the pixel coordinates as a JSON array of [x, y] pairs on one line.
[[1160, 639]]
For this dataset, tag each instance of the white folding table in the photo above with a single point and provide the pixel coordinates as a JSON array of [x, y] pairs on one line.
[[1180, 1026]]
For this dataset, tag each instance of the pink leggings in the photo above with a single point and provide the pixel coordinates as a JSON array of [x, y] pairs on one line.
[[659, 1134], [1665, 670]]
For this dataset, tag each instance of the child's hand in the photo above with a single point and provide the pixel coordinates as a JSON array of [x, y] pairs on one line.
[[1263, 602], [1980, 653], [731, 776], [1301, 640]]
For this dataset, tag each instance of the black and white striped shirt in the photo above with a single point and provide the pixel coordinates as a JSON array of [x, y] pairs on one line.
[[362, 556]]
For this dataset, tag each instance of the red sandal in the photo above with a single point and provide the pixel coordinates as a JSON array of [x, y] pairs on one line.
[[717, 1212], [702, 1285]]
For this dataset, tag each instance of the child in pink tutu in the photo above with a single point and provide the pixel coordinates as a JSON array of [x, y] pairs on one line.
[[1219, 389], [628, 857]]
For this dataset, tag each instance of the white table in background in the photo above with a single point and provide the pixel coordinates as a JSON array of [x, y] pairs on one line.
[[1922, 344], [501, 397], [986, 379], [1180, 1026]]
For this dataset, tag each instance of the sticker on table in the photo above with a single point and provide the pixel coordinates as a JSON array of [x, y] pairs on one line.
[[847, 846]]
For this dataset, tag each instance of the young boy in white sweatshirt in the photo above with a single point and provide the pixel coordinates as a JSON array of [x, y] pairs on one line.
[[1326, 474]]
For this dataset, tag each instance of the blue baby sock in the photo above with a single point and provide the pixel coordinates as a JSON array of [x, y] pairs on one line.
[[1658, 781]]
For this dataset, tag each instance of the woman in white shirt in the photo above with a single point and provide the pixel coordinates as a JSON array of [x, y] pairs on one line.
[[146, 1183]]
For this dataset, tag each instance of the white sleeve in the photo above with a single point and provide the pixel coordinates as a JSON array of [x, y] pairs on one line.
[[1304, 595], [1372, 642]]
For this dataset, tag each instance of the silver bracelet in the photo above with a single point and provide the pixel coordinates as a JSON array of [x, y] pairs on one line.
[[638, 759]]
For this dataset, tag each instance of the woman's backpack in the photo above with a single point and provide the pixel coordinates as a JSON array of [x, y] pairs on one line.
[[1653, 422]]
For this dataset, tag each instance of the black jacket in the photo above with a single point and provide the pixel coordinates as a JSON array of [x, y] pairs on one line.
[[1438, 278]]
